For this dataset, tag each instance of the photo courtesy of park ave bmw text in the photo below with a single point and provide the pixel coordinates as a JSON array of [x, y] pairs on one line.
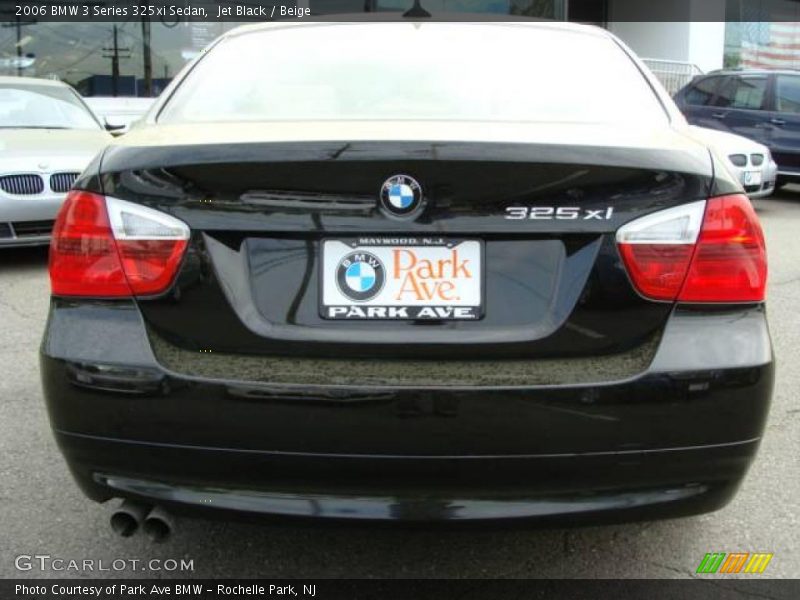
[[399, 291]]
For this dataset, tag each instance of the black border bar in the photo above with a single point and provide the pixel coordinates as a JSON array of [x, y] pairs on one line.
[[706, 588], [172, 12]]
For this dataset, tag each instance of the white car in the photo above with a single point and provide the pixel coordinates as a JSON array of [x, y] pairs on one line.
[[47, 137], [750, 162]]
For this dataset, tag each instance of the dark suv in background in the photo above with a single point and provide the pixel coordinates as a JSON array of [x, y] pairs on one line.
[[758, 104]]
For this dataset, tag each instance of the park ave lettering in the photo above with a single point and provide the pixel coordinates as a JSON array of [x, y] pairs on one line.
[[424, 279], [401, 312]]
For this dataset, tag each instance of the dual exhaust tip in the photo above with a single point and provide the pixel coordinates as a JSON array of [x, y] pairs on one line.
[[156, 522]]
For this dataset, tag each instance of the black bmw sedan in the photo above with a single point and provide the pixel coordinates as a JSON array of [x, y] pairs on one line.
[[413, 271]]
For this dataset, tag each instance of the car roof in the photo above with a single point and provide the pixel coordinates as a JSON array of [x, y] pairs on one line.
[[437, 19], [28, 81]]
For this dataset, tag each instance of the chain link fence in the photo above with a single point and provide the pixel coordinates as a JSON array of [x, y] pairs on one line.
[[672, 74]]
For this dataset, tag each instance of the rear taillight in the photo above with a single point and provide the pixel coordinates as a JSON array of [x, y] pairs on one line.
[[706, 251], [730, 262], [83, 256], [104, 247]]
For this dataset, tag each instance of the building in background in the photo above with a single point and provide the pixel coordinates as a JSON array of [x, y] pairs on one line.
[[680, 37]]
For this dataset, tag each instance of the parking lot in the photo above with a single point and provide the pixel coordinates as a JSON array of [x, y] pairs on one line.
[[42, 511]]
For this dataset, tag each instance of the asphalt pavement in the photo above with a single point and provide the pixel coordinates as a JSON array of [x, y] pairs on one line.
[[43, 513]]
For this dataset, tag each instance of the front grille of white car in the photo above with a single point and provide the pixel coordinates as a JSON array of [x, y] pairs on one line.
[[62, 182], [757, 159], [22, 185]]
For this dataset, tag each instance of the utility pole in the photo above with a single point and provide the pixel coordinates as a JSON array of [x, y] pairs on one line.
[[147, 56], [19, 24], [114, 54], [19, 48]]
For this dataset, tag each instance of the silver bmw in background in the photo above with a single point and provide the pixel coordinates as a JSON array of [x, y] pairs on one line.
[[748, 161], [47, 137]]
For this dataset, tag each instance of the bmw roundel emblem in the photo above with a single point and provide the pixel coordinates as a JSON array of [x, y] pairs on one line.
[[360, 276], [401, 195]]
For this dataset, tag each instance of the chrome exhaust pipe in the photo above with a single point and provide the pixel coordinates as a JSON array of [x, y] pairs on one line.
[[158, 524], [126, 519]]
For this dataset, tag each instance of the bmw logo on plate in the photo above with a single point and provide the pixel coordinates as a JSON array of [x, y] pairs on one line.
[[401, 195], [360, 276]]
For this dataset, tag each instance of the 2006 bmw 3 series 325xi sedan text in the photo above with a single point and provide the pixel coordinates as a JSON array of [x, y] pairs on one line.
[[410, 277]]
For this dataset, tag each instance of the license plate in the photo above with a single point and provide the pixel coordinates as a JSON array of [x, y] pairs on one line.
[[402, 278], [751, 178]]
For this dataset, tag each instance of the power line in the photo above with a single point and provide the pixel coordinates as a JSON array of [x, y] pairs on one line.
[[115, 53], [89, 53]]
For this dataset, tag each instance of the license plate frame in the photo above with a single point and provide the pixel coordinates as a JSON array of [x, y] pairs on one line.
[[752, 178], [333, 273]]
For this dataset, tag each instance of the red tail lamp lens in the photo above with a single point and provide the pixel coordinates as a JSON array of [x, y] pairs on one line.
[[105, 247], [711, 251], [83, 255], [730, 261]]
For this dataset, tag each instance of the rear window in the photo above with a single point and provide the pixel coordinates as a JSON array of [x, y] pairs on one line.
[[398, 71]]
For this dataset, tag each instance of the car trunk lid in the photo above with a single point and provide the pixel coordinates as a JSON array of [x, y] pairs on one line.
[[539, 209]]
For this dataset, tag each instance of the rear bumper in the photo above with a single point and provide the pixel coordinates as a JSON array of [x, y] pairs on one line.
[[675, 439], [596, 486]]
